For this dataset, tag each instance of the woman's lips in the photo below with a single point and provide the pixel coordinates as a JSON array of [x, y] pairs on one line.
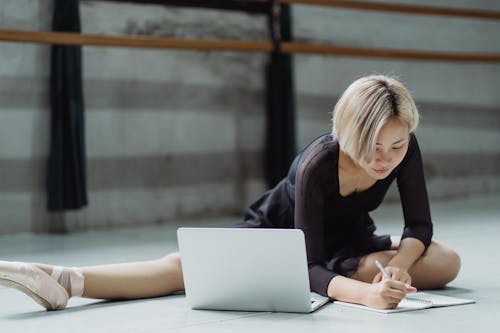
[[380, 171]]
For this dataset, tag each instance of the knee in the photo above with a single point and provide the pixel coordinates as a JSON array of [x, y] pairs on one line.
[[450, 265], [444, 262]]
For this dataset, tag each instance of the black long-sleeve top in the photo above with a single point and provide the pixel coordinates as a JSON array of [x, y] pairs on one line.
[[309, 199]]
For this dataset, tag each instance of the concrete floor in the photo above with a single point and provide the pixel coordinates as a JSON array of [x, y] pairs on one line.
[[469, 225]]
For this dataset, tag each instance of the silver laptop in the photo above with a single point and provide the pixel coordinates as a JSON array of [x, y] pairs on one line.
[[246, 270]]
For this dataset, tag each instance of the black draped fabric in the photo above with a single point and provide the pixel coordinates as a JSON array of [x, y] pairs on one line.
[[280, 145], [66, 188]]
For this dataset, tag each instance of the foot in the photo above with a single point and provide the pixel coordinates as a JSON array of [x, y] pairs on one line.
[[35, 283]]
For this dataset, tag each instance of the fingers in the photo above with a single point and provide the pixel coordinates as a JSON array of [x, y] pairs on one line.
[[377, 278], [396, 275], [410, 289], [399, 274], [406, 279], [398, 290], [388, 293], [396, 286], [392, 294]]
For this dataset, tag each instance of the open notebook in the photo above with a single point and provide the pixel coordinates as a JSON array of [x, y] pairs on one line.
[[416, 301]]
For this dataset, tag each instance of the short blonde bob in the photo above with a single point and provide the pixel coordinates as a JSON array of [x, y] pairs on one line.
[[364, 107]]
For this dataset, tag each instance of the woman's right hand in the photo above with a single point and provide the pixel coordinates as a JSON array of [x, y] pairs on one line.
[[386, 294]]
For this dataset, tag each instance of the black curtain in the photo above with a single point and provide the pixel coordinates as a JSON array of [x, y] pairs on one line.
[[66, 188], [280, 145]]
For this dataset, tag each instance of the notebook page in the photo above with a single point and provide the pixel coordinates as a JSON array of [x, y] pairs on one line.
[[439, 300], [415, 301], [404, 305]]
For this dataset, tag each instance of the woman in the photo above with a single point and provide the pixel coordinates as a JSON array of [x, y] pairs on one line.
[[331, 187]]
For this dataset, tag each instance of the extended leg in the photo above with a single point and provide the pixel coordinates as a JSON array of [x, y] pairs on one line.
[[51, 286], [132, 280]]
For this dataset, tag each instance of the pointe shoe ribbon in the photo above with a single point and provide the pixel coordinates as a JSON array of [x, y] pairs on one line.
[[35, 283]]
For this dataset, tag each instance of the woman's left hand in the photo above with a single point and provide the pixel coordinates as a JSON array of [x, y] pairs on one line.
[[396, 273]]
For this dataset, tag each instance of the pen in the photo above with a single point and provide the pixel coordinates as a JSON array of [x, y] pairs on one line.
[[382, 269]]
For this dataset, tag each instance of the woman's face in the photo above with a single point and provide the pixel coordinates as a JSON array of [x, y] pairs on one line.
[[392, 144]]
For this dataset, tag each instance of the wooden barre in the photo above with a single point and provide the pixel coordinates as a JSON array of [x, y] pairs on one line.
[[397, 8], [388, 53], [68, 38]]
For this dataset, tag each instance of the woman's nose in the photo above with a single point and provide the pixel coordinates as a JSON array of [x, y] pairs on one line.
[[385, 157]]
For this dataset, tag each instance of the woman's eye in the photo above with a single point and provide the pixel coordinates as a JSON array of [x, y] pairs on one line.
[[398, 147]]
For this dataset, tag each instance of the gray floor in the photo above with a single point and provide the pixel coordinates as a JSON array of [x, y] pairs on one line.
[[470, 225]]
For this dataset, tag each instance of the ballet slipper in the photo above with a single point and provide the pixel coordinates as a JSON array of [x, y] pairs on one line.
[[35, 283], [70, 278]]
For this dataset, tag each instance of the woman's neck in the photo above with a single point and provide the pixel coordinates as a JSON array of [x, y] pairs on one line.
[[347, 164], [352, 177]]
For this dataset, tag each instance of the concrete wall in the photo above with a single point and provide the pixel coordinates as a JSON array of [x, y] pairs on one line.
[[174, 134], [170, 134]]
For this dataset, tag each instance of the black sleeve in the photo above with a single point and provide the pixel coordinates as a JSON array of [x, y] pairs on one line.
[[309, 203], [413, 194]]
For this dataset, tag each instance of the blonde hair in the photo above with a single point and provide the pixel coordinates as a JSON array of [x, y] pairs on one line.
[[364, 107]]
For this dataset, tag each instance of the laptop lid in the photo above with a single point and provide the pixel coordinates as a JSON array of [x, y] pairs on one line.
[[245, 269]]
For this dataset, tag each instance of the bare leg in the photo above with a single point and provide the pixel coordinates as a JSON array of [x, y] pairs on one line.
[[434, 269], [132, 280]]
